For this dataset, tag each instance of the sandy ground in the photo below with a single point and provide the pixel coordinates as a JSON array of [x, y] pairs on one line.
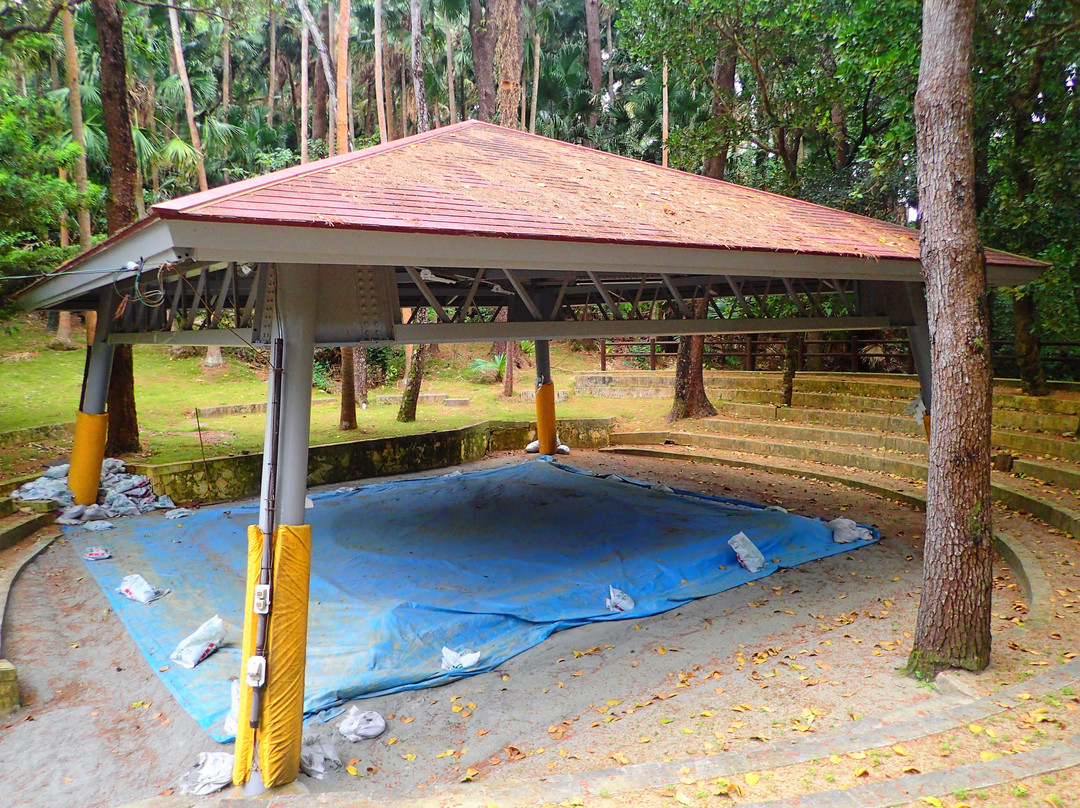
[[801, 651]]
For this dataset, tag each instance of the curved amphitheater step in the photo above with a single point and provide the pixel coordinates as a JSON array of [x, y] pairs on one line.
[[1055, 506]]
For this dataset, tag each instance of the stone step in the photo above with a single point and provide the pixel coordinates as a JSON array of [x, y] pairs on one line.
[[456, 402], [17, 526], [530, 395], [816, 434], [1057, 474], [246, 409], [394, 399], [7, 505]]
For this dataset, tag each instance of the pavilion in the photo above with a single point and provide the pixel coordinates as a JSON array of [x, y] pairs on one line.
[[466, 221]]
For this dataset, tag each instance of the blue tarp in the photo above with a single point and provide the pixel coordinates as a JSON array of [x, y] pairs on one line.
[[490, 561]]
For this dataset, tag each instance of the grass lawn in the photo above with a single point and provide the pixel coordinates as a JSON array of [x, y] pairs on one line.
[[41, 386]]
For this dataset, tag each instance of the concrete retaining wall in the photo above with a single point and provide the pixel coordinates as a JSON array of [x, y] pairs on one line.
[[222, 479], [18, 437]]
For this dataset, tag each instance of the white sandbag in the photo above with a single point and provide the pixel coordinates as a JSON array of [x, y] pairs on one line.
[[562, 449], [361, 725], [178, 513], [164, 503], [231, 721], [135, 587], [212, 773], [99, 524], [845, 531], [59, 472], [458, 660], [747, 552], [120, 504], [618, 601], [317, 755], [200, 644]]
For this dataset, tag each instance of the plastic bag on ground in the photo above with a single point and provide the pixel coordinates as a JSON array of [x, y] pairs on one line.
[[200, 644], [212, 773], [135, 587], [458, 660], [59, 472], [618, 601], [845, 531], [230, 722], [46, 488], [747, 552], [317, 755], [97, 554], [99, 524], [361, 725], [164, 503], [178, 513], [120, 504]]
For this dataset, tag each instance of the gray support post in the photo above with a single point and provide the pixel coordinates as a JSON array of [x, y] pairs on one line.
[[99, 369], [543, 362], [919, 339], [294, 320]]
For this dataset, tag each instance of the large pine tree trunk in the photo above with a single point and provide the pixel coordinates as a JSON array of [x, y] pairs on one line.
[[325, 91], [271, 90], [482, 33], [347, 419], [723, 89], [1032, 377], [953, 628], [120, 208], [592, 45], [791, 364], [423, 120], [691, 400], [509, 51], [71, 66], [450, 94]]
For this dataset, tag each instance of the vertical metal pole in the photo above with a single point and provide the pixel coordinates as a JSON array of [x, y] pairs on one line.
[[91, 422], [603, 355], [545, 399], [99, 369]]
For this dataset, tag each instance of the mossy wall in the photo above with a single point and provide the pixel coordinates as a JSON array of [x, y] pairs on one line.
[[221, 479]]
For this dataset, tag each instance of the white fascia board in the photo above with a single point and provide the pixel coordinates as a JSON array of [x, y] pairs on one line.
[[234, 241], [154, 244]]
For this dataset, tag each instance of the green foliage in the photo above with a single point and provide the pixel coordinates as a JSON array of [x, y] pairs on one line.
[[489, 370]]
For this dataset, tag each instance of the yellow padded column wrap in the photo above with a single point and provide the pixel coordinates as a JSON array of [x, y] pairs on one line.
[[545, 418], [245, 735], [87, 454], [282, 714]]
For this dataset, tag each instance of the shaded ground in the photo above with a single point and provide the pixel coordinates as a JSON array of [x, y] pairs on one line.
[[802, 651]]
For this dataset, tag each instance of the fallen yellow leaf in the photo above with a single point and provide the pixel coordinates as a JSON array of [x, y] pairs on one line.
[[409, 756], [470, 773], [752, 779], [351, 770]]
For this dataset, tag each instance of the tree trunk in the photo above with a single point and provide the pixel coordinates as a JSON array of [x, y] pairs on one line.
[[509, 51], [791, 364], [535, 79], [407, 410], [664, 117], [120, 208], [360, 376], [610, 61], [271, 90], [953, 628], [691, 400], [347, 413], [226, 65], [380, 78], [324, 60], [452, 101], [388, 89], [305, 63], [404, 96], [319, 117], [71, 67], [213, 358], [423, 120], [592, 45], [1032, 377], [508, 374], [723, 90], [189, 103], [482, 34]]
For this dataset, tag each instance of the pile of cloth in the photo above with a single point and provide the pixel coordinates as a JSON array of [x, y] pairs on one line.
[[120, 494]]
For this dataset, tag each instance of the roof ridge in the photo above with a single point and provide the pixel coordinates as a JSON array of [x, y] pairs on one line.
[[188, 202]]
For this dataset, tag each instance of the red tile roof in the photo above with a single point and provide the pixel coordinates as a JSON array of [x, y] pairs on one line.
[[480, 179]]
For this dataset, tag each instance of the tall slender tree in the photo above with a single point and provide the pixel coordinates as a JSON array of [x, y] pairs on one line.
[[120, 210], [953, 627], [380, 76], [482, 34], [189, 102], [347, 419]]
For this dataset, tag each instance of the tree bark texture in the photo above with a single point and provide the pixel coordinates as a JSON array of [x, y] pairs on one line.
[[691, 401], [226, 65], [423, 119], [1032, 377], [407, 410], [953, 627], [450, 95], [592, 45], [71, 67], [320, 124], [482, 33], [271, 90], [380, 79], [305, 64], [509, 52], [723, 91], [120, 210], [535, 78], [791, 364]]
